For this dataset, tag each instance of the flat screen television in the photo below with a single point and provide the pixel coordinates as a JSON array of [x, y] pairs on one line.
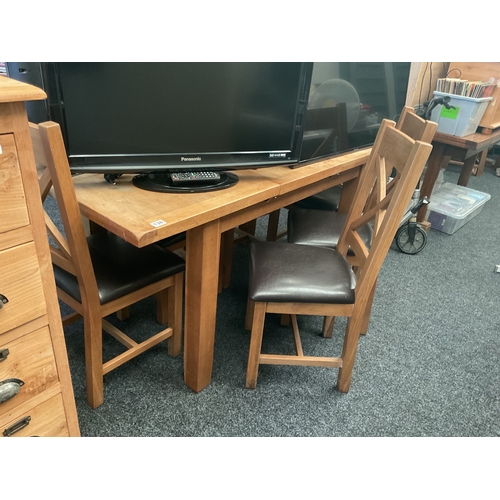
[[153, 119]]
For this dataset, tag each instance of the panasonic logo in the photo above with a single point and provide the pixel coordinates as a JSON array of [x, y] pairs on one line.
[[194, 158]]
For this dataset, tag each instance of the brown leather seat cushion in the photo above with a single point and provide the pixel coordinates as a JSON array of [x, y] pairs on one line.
[[284, 272], [121, 268], [320, 228]]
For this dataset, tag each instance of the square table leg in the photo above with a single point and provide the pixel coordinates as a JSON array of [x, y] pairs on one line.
[[202, 278]]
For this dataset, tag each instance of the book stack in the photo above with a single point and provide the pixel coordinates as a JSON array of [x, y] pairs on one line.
[[465, 88]]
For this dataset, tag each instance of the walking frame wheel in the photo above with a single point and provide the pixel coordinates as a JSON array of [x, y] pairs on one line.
[[411, 240]]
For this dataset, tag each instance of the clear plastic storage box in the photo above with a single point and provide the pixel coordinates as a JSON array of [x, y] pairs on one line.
[[464, 119], [452, 206]]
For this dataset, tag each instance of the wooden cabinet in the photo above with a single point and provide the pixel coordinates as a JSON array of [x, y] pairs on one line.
[[36, 394]]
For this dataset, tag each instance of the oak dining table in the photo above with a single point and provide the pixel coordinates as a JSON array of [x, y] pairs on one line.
[[144, 217]]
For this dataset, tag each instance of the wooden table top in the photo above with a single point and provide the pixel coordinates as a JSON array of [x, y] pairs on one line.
[[473, 142], [143, 217]]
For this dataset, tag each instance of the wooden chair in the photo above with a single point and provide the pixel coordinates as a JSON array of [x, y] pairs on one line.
[[291, 279], [101, 274], [323, 228]]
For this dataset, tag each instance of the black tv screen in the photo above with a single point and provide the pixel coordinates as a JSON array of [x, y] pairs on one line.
[[142, 117]]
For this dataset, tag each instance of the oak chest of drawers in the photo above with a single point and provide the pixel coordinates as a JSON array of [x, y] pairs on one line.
[[36, 394]]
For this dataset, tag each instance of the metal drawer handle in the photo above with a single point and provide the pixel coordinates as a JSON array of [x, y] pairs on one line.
[[9, 388], [3, 300], [3, 354], [16, 427]]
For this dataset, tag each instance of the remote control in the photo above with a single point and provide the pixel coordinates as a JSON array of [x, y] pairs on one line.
[[189, 178]]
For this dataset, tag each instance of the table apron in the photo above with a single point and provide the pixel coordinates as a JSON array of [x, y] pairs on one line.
[[247, 214]]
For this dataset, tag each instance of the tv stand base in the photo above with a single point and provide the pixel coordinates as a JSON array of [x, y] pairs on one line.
[[162, 182]]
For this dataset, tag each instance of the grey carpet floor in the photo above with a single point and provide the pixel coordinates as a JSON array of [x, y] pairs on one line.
[[427, 367]]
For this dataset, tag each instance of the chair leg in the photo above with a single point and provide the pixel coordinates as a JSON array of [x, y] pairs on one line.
[[328, 324], [92, 326], [162, 306], [285, 320], [249, 314], [226, 259], [123, 314], [259, 316], [368, 311], [272, 225], [175, 310], [349, 354], [249, 227]]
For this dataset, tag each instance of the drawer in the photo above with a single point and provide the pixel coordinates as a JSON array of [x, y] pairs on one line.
[[21, 284], [13, 209], [45, 419], [30, 359]]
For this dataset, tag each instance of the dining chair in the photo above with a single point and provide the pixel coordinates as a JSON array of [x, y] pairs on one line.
[[101, 274], [294, 279], [323, 228]]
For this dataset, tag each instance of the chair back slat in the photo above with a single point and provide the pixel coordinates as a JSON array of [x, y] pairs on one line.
[[45, 183], [394, 151], [380, 190], [38, 150], [383, 207], [415, 126], [359, 248], [71, 252], [60, 260], [57, 236], [372, 213]]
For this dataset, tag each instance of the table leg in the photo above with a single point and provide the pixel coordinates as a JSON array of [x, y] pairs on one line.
[[482, 162], [347, 194], [436, 159], [202, 277], [466, 171], [497, 163]]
